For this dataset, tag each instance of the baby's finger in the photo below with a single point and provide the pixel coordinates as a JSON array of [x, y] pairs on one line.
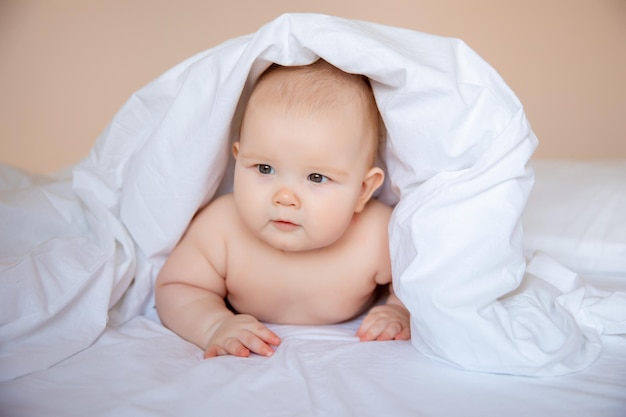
[[370, 330], [362, 330], [252, 325], [268, 336], [234, 347], [405, 334], [256, 344], [389, 331], [367, 322], [213, 351]]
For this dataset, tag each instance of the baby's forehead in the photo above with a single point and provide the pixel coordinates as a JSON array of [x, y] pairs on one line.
[[320, 89], [314, 86]]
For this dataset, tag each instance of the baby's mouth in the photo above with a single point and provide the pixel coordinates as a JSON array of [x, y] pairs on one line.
[[285, 225]]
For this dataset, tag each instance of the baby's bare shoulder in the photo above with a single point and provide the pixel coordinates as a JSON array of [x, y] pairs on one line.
[[222, 204], [375, 204], [373, 221], [214, 215], [376, 213], [373, 240]]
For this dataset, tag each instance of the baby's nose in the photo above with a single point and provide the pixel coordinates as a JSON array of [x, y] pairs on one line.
[[286, 197]]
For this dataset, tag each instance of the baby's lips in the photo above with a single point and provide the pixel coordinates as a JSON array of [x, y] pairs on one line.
[[285, 225]]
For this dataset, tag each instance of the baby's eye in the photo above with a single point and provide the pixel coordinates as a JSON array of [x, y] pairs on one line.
[[317, 178], [265, 169]]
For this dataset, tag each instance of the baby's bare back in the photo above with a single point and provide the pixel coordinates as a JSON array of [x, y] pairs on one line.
[[322, 286]]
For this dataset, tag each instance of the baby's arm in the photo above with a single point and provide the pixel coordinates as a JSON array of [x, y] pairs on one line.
[[190, 292], [389, 321]]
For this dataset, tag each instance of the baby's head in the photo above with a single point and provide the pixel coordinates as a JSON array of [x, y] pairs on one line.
[[318, 89], [306, 154]]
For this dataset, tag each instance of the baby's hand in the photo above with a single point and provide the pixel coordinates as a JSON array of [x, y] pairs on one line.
[[241, 335], [385, 322]]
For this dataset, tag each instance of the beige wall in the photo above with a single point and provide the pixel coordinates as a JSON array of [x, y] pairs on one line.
[[66, 66]]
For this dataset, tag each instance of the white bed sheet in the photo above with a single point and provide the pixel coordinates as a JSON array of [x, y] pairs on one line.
[[141, 369]]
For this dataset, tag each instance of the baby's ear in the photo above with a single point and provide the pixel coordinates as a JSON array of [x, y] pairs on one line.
[[236, 149], [373, 179]]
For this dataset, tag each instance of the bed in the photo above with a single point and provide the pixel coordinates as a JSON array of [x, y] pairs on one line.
[[526, 317], [140, 368]]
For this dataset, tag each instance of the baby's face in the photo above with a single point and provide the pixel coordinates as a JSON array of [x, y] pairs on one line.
[[298, 177]]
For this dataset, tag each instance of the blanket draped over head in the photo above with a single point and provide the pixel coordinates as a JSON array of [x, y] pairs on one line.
[[82, 249]]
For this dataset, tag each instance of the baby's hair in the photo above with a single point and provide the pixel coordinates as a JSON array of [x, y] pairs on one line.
[[322, 86]]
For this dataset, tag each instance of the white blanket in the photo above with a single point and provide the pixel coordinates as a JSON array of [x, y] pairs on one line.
[[85, 248]]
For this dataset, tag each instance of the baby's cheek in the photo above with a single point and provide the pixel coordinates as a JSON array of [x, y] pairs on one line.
[[332, 227]]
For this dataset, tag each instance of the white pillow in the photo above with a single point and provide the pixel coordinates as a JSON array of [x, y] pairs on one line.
[[577, 214]]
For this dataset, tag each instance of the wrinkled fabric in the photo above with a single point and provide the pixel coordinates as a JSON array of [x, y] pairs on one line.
[[89, 247]]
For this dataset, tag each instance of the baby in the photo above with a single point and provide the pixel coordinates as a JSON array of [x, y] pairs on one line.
[[299, 241]]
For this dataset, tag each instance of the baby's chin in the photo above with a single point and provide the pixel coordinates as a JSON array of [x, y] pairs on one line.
[[292, 244], [292, 247]]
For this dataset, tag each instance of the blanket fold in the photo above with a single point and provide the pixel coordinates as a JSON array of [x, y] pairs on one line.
[[458, 144]]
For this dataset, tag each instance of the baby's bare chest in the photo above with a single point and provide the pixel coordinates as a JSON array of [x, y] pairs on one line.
[[253, 265], [312, 287]]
